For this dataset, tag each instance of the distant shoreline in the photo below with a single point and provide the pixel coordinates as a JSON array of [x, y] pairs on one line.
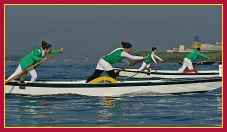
[[176, 56], [167, 57]]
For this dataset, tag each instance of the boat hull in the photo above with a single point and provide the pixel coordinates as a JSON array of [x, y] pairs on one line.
[[166, 74], [199, 63], [162, 86]]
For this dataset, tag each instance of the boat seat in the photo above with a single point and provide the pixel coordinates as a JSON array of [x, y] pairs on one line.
[[103, 79]]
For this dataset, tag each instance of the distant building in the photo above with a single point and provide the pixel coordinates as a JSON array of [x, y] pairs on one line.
[[181, 48], [204, 47]]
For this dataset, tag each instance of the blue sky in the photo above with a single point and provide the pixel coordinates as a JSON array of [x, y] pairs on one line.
[[97, 30]]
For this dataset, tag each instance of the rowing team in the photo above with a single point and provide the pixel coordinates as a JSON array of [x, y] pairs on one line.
[[104, 64]]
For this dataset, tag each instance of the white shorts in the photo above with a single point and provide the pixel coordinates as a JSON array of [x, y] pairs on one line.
[[103, 65]]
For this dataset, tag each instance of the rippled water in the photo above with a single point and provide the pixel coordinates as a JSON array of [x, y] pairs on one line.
[[194, 109]]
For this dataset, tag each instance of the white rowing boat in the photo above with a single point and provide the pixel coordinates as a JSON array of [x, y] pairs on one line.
[[165, 73], [198, 62], [122, 87]]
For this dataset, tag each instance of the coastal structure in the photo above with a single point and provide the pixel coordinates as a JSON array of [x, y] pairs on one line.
[[217, 47]]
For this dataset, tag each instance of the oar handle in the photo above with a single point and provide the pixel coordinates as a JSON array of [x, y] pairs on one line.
[[136, 73], [148, 71], [15, 76], [30, 67], [122, 69]]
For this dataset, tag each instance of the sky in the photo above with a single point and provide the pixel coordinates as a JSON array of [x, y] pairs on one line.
[[96, 30]]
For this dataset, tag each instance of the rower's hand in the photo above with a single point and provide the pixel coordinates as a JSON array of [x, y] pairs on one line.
[[44, 59], [161, 60], [131, 64], [145, 57], [62, 49], [208, 58]]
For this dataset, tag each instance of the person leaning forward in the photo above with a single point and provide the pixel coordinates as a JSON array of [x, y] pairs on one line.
[[38, 54], [188, 59], [147, 63], [116, 56]]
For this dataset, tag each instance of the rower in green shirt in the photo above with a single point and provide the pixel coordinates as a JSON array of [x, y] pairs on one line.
[[147, 63], [38, 54], [188, 59], [116, 56]]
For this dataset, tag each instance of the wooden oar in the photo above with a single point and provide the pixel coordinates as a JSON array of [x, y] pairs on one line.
[[122, 69], [148, 71], [30, 67], [136, 74]]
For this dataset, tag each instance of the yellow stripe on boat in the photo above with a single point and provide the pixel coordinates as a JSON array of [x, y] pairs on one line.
[[103, 79]]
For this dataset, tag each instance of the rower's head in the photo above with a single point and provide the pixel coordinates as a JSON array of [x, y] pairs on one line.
[[46, 47], [154, 49], [199, 49], [127, 46]]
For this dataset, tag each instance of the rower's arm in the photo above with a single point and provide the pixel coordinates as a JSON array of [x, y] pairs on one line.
[[54, 51], [201, 54], [152, 56], [133, 57]]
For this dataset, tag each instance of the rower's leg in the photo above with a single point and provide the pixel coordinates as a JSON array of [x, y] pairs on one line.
[[33, 73], [112, 74], [149, 69], [95, 75], [184, 66], [17, 71], [190, 66], [143, 66]]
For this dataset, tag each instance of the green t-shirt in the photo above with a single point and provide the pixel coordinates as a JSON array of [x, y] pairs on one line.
[[33, 57], [114, 57], [194, 54], [148, 60]]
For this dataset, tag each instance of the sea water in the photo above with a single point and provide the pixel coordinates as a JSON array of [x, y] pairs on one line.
[[171, 110]]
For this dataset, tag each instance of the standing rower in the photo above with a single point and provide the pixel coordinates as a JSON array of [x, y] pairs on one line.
[[147, 62], [188, 59], [116, 56], [38, 54]]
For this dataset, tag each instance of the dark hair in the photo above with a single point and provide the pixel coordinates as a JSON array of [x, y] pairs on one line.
[[154, 48], [126, 45], [198, 49], [45, 45]]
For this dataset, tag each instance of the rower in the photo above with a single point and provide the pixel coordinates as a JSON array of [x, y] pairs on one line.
[[188, 59], [147, 62], [36, 56], [116, 56]]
